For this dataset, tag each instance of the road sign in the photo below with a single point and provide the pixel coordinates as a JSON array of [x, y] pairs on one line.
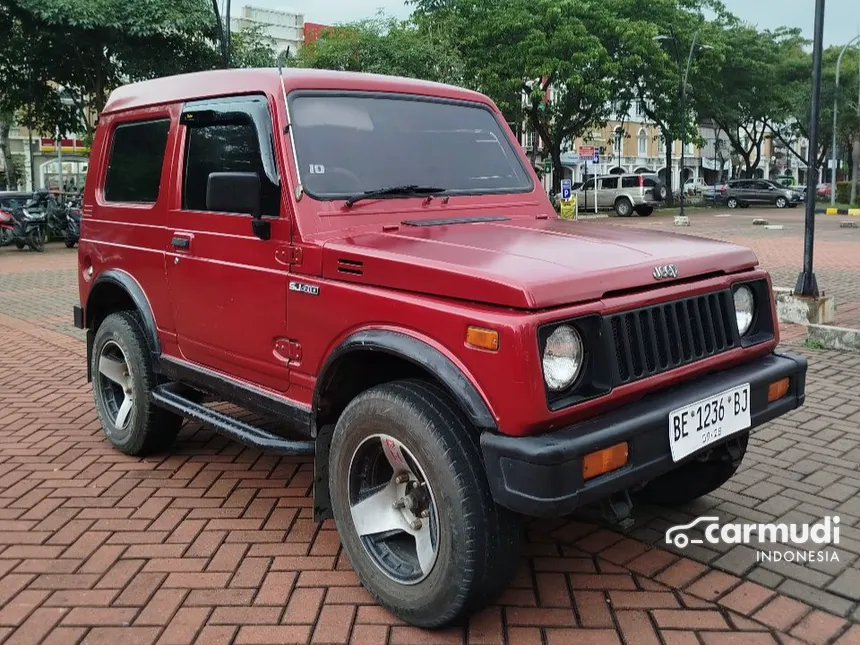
[[565, 189], [596, 157], [586, 151]]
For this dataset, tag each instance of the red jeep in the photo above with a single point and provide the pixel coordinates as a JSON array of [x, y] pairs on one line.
[[370, 265]]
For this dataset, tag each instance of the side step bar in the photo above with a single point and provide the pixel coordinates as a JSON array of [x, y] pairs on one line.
[[168, 397]]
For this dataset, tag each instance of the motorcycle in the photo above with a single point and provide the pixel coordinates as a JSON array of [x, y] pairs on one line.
[[24, 226], [64, 220]]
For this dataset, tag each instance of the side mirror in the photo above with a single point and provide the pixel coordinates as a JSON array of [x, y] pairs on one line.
[[238, 192]]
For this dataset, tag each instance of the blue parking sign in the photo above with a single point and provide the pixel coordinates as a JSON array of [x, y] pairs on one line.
[[596, 157], [565, 188]]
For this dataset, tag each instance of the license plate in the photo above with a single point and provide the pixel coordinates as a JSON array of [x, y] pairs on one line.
[[707, 421]]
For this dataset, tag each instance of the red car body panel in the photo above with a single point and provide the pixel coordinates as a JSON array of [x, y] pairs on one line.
[[224, 303]]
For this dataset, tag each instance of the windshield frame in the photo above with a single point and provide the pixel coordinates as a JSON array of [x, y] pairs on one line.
[[405, 96]]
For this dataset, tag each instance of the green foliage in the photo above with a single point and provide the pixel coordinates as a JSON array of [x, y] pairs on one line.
[[252, 47], [384, 45], [843, 193]]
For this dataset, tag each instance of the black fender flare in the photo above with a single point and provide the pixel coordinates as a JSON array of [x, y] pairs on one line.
[[421, 354], [127, 283]]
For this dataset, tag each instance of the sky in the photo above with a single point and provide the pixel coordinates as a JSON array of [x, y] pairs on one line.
[[841, 21]]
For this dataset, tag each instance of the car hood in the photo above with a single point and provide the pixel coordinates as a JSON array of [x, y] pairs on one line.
[[524, 263]]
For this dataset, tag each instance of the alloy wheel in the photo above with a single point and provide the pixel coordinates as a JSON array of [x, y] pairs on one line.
[[393, 509], [116, 384]]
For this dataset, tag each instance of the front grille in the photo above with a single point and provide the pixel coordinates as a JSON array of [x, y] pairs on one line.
[[656, 339]]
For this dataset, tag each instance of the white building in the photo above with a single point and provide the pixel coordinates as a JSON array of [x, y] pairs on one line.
[[286, 28]]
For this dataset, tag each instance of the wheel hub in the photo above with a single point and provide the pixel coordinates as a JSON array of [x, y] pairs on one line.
[[393, 509]]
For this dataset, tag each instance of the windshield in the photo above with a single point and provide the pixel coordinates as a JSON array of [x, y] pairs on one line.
[[348, 145]]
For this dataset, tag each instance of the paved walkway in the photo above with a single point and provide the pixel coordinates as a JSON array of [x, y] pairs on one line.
[[214, 543]]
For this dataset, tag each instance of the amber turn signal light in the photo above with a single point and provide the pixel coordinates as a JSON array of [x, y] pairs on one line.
[[777, 390], [603, 461], [482, 338]]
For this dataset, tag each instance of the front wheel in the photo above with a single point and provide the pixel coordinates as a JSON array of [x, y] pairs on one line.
[[413, 507], [781, 202], [36, 239]]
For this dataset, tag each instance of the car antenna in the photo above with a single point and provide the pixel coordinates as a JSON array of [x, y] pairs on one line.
[[287, 128]]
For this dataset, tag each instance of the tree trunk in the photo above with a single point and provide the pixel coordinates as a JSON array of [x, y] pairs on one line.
[[6, 150], [670, 195], [555, 154], [855, 156]]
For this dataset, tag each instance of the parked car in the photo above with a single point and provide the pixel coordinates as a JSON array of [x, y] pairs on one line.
[[750, 192], [694, 185], [450, 354], [824, 190], [625, 194], [714, 193]]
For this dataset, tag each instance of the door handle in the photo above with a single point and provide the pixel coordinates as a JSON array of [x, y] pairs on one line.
[[180, 242]]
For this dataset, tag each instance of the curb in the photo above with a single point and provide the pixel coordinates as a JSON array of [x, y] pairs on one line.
[[830, 337], [838, 211]]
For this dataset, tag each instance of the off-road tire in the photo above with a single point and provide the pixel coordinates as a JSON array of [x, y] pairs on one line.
[[623, 207], [478, 541], [644, 211], [696, 478], [151, 429]]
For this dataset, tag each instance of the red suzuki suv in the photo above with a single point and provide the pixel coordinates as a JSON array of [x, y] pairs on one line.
[[370, 265]]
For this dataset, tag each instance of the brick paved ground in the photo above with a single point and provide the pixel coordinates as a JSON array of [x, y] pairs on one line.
[[214, 543]]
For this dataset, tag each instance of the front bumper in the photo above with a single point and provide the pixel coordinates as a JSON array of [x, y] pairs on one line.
[[541, 476]]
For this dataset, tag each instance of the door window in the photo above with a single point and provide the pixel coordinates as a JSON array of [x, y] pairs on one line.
[[226, 148]]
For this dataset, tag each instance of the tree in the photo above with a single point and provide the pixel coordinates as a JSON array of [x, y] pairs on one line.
[[384, 45], [111, 42], [544, 59], [252, 47]]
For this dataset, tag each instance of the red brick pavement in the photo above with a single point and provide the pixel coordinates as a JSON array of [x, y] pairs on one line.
[[214, 543]]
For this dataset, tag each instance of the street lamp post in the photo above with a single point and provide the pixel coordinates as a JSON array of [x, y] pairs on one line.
[[835, 108], [807, 285], [693, 45]]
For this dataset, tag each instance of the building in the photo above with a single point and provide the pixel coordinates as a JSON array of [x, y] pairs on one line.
[[47, 160], [312, 31], [285, 28]]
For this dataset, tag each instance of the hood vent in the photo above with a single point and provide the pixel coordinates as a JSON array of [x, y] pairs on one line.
[[351, 267]]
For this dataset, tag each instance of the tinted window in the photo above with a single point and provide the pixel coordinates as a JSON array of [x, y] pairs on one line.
[[224, 148], [609, 183], [589, 185], [649, 182], [136, 158], [350, 144], [630, 182]]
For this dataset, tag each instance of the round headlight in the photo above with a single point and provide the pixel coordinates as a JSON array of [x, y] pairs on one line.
[[562, 358], [744, 309]]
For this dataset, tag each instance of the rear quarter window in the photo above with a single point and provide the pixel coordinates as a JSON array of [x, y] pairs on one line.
[[135, 162]]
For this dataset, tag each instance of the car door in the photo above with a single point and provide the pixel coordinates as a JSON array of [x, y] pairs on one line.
[[585, 194], [228, 287], [766, 192], [607, 192]]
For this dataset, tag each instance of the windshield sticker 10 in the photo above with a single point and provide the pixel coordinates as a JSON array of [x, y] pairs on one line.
[[317, 169]]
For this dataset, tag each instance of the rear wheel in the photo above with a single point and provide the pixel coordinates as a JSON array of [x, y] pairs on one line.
[[644, 211], [732, 202], [413, 506], [19, 244], [623, 207], [697, 478], [122, 382]]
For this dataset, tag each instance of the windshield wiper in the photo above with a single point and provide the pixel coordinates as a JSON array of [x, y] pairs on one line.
[[409, 190]]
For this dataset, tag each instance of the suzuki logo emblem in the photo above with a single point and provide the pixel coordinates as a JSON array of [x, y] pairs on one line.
[[666, 271]]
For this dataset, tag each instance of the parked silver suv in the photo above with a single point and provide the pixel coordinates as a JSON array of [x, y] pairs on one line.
[[625, 194]]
